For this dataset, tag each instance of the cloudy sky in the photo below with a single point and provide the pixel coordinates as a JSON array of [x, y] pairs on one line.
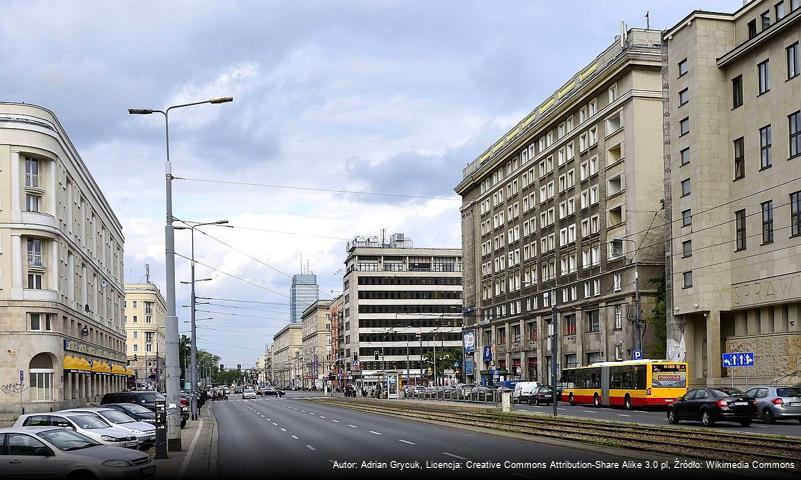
[[378, 96]]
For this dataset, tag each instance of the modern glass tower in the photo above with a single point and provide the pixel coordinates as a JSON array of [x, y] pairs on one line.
[[303, 292]]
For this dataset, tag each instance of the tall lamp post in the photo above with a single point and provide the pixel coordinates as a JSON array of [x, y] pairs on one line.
[[172, 367], [193, 347]]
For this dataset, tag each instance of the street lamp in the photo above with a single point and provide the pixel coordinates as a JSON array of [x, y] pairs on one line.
[[193, 369], [173, 368]]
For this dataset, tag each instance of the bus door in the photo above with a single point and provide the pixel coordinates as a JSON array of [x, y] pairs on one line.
[[605, 385]]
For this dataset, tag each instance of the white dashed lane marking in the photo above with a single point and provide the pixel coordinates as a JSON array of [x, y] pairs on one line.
[[310, 448], [375, 433], [406, 442], [353, 426], [275, 424], [623, 415], [283, 429], [335, 421], [295, 437], [453, 455]]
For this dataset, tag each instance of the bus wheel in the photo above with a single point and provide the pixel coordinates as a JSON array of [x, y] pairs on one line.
[[627, 402], [570, 400], [596, 401]]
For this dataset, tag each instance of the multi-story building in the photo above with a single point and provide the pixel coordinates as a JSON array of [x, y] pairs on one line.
[[268, 365], [400, 305], [316, 343], [732, 162], [303, 292], [145, 316], [286, 363], [565, 210], [61, 271]]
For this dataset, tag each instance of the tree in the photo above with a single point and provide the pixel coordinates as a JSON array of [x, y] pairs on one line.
[[657, 321], [447, 359]]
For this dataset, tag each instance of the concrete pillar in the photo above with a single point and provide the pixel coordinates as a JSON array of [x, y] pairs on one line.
[[740, 324], [779, 319], [689, 343], [753, 321], [713, 344], [766, 320]]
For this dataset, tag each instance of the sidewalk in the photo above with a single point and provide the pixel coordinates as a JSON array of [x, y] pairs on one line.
[[198, 457]]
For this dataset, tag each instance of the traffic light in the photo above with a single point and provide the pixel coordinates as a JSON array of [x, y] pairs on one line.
[[222, 367], [375, 355], [239, 366], [331, 376]]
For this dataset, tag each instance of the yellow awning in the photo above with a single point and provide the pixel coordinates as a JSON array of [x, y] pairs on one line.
[[129, 372], [100, 367], [117, 369], [76, 364]]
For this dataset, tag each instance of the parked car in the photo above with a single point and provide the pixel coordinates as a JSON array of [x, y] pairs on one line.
[[710, 405], [84, 423], [135, 411], [777, 403], [48, 452], [540, 395], [145, 433], [248, 393], [145, 398], [523, 391]]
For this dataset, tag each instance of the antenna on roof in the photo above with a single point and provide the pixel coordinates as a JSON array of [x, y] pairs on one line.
[[647, 20], [147, 272]]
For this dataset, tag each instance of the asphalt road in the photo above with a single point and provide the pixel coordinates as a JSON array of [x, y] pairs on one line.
[[262, 437]]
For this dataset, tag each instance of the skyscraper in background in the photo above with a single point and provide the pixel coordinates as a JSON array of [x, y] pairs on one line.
[[303, 292]]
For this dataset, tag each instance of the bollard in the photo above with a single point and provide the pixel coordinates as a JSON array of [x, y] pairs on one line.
[[506, 401]]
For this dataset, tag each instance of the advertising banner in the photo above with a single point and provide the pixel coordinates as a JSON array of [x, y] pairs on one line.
[[469, 338]]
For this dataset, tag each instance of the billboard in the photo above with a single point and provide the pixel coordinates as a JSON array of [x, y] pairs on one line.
[[469, 339]]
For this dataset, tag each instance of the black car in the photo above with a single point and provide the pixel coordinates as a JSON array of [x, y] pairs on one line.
[[144, 398], [541, 395], [710, 405], [138, 412]]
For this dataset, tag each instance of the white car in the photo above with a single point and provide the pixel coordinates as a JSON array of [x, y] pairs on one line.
[[248, 393], [60, 453], [84, 423], [144, 432], [523, 391]]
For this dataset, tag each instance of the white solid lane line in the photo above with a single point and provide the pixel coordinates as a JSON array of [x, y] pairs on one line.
[[406, 442], [453, 455], [375, 433], [310, 448]]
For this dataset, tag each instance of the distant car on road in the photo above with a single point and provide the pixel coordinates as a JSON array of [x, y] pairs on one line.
[[777, 403], [84, 423], [710, 405], [248, 394], [53, 452], [523, 391]]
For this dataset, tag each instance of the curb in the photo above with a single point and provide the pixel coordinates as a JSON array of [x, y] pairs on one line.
[[212, 473]]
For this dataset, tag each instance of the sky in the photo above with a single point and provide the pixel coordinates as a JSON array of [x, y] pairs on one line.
[[366, 96]]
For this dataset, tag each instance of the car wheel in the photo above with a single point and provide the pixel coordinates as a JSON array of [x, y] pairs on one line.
[[706, 419], [537, 402], [745, 422], [627, 402], [596, 401], [672, 418], [183, 423], [570, 400], [768, 417]]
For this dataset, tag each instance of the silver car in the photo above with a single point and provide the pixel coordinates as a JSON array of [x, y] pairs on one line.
[[54, 452], [144, 432], [83, 423], [777, 403]]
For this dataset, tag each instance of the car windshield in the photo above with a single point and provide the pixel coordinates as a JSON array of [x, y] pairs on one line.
[[788, 392], [132, 407], [88, 421], [114, 416], [726, 392], [66, 440]]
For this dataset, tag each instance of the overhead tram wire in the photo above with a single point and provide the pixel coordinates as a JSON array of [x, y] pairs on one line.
[[242, 301], [327, 237], [234, 276], [239, 315], [245, 254], [323, 190]]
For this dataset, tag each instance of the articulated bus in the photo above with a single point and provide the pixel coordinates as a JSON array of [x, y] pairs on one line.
[[631, 383]]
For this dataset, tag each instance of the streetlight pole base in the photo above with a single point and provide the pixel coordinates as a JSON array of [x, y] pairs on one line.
[[174, 444]]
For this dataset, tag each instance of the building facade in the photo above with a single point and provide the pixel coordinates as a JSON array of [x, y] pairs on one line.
[[303, 292], [145, 316], [400, 305], [565, 210], [61, 271], [286, 363], [316, 344], [337, 313], [732, 159]]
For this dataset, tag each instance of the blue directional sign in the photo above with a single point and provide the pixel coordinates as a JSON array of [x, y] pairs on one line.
[[738, 359]]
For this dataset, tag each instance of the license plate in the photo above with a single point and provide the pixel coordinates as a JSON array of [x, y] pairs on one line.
[[740, 403], [131, 444], [795, 404]]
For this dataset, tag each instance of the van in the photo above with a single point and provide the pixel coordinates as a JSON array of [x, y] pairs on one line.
[[523, 391]]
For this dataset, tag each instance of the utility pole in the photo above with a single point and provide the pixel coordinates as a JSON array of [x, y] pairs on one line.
[[554, 348], [637, 313]]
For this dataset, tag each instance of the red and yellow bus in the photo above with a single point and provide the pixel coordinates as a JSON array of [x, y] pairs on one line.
[[627, 384]]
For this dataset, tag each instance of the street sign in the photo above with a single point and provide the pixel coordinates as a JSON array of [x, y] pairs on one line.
[[22, 377], [738, 359], [637, 354]]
